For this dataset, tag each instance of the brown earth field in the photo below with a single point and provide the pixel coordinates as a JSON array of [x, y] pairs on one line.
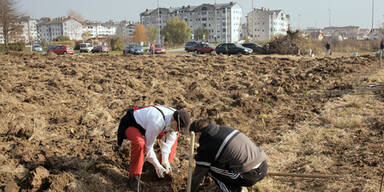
[[59, 116]]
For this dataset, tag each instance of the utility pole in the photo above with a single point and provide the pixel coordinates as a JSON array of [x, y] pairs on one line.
[[215, 22], [373, 12], [158, 23], [299, 24], [252, 15], [330, 16]]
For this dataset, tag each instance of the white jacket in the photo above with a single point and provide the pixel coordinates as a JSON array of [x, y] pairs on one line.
[[153, 122]]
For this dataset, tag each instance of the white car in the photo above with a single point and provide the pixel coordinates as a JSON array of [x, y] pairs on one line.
[[85, 47], [37, 48]]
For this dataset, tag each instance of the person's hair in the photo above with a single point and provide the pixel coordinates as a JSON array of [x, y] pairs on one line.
[[182, 119], [199, 125]]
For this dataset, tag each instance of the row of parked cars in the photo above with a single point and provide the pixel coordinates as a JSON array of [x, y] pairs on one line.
[[137, 49], [84, 48], [88, 47], [224, 48]]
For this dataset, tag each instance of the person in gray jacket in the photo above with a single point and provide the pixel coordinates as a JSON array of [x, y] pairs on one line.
[[228, 156]]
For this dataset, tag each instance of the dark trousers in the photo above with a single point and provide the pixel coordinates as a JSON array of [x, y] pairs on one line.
[[247, 179]]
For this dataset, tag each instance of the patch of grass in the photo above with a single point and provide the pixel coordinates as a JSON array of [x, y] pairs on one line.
[[116, 52]]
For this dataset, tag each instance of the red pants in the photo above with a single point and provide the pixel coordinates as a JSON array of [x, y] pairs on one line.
[[138, 151]]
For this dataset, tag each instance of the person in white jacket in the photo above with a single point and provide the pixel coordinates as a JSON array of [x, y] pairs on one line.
[[141, 126]]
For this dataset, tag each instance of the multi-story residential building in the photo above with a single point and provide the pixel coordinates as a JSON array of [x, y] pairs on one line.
[[264, 24], [50, 29], [126, 29], [222, 21], [27, 32], [244, 31], [100, 30]]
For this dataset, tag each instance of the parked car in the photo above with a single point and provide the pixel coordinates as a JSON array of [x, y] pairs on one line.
[[159, 49], [51, 47], [37, 48], [189, 46], [204, 48], [133, 49], [127, 48], [63, 49], [146, 47], [231, 48], [100, 49], [137, 50], [85, 47], [255, 47]]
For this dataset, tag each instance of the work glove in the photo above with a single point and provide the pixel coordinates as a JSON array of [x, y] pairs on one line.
[[167, 165], [160, 171]]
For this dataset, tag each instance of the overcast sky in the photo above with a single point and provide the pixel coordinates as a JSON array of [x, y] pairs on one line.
[[304, 13]]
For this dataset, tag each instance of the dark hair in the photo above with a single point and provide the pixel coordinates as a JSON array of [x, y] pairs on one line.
[[199, 125], [184, 118]]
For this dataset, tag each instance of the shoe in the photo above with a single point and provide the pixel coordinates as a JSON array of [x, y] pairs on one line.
[[133, 183]]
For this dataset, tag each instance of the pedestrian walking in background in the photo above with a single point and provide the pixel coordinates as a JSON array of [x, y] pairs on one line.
[[328, 49], [141, 126], [228, 156], [153, 48]]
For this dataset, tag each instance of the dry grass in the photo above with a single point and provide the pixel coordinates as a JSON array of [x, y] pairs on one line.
[[340, 48], [343, 127]]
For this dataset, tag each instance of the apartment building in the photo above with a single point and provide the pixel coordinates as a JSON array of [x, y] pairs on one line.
[[264, 24], [27, 33], [126, 29], [29, 30], [50, 29], [100, 30], [222, 21]]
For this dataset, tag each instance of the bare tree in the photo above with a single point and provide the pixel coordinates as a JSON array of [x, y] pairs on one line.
[[9, 19], [78, 16]]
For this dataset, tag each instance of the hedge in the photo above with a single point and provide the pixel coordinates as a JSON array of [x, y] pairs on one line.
[[13, 47]]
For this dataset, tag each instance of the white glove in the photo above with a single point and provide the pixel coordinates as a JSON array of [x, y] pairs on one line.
[[167, 165], [160, 171]]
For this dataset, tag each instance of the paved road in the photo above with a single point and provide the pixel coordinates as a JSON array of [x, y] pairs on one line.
[[181, 50]]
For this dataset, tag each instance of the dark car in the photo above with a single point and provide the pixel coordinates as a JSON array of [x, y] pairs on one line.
[[190, 45], [100, 49], [137, 50], [127, 48], [204, 48], [258, 49], [231, 48]]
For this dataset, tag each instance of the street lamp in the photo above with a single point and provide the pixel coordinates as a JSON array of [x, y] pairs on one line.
[[158, 22]]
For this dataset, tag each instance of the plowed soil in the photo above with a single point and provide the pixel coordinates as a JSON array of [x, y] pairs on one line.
[[59, 116]]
